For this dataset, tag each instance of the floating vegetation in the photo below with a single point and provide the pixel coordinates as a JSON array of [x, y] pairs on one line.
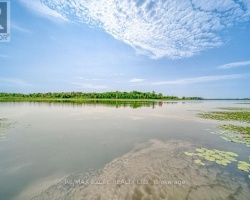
[[236, 129], [199, 162], [234, 108], [4, 124], [243, 116], [2, 136], [232, 135], [220, 157], [190, 154], [243, 166]]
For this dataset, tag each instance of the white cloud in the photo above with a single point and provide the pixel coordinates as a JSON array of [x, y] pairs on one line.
[[173, 28], [200, 79], [89, 85], [136, 80], [14, 82], [39, 7], [233, 65]]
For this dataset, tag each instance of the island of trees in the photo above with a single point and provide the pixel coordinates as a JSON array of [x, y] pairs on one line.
[[134, 95]]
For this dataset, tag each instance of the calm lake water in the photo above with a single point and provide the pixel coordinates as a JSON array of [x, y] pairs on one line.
[[110, 151]]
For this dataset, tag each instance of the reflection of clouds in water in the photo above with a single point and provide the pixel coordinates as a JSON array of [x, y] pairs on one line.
[[187, 117], [136, 117], [153, 161]]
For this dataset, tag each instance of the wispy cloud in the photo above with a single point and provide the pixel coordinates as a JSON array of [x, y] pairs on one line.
[[200, 79], [39, 7], [173, 29], [233, 65], [20, 29], [13, 82], [89, 85], [87, 79], [136, 80]]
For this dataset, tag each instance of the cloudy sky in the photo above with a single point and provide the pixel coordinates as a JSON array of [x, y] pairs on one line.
[[176, 47]]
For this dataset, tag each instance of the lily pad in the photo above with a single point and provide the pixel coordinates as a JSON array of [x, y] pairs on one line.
[[214, 155], [199, 162], [200, 150], [234, 137], [243, 166], [189, 154]]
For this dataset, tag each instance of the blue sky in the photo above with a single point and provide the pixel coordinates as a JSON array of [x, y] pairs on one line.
[[182, 48]]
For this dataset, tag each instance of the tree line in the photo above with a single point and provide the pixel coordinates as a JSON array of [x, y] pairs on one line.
[[94, 95]]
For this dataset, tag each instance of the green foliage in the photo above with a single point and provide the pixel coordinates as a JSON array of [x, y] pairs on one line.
[[93, 95]]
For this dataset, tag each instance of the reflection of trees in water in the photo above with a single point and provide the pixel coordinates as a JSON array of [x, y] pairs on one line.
[[109, 103]]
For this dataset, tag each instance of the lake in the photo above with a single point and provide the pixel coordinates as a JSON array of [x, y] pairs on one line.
[[116, 151]]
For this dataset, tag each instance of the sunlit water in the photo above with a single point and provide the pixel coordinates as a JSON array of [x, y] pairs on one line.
[[70, 151]]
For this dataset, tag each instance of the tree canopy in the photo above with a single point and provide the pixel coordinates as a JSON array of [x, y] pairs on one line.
[[94, 95]]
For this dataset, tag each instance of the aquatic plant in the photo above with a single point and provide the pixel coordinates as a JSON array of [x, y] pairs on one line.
[[237, 114], [199, 162], [219, 157], [4, 125], [214, 155], [235, 129], [234, 115], [243, 166], [234, 108], [234, 136]]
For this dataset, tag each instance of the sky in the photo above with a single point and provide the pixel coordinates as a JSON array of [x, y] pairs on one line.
[[174, 47]]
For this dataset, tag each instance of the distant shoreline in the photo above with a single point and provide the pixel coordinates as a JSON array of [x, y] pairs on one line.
[[105, 96], [81, 96], [98, 99]]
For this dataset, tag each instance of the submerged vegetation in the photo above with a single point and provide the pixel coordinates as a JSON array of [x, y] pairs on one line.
[[92, 95], [4, 125]]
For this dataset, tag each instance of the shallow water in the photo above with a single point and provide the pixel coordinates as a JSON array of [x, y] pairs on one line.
[[95, 151]]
